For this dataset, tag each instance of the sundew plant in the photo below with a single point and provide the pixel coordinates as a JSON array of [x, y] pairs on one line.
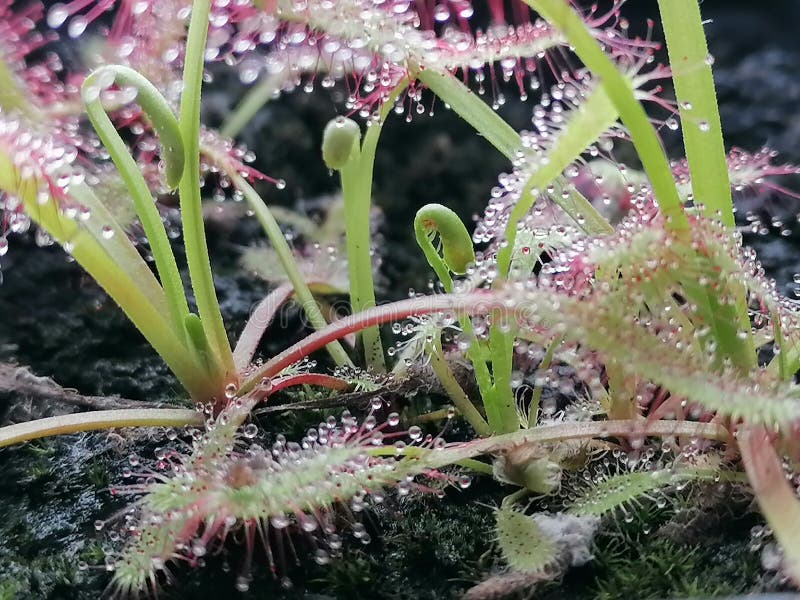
[[681, 353]]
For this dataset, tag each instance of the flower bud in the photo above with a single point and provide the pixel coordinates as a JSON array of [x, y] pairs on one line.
[[338, 141]]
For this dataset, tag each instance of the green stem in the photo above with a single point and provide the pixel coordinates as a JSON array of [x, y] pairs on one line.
[[498, 396], [116, 266], [454, 390], [498, 401], [705, 147], [547, 360], [102, 419], [514, 497], [473, 110], [160, 114], [356, 177], [458, 252], [502, 136], [563, 16], [433, 416], [697, 102], [255, 98], [595, 115], [357, 191], [476, 466], [501, 407], [191, 211], [284, 252]]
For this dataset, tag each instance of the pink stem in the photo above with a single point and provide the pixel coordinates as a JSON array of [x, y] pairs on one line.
[[317, 379], [257, 324], [775, 495], [470, 304]]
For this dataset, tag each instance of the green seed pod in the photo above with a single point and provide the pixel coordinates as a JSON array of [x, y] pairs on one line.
[[340, 138], [528, 466], [457, 248]]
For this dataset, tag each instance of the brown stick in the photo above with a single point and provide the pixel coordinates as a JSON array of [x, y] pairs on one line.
[[21, 381]]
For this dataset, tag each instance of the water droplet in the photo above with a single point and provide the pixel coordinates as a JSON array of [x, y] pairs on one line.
[[198, 548], [279, 521], [414, 432], [77, 26], [359, 531], [250, 430], [57, 14], [107, 232], [230, 391], [242, 583]]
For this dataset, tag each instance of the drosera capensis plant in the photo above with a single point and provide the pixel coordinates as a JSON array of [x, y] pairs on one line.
[[660, 316]]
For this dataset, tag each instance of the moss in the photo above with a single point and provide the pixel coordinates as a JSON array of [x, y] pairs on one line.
[[54, 491], [691, 543], [8, 589], [660, 568], [428, 549], [92, 554], [97, 474]]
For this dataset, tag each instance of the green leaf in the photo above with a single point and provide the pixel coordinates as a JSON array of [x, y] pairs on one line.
[[697, 102], [473, 110], [523, 544], [563, 16], [159, 112]]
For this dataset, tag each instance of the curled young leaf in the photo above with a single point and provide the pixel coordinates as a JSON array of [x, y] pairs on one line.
[[154, 106], [158, 111], [454, 239]]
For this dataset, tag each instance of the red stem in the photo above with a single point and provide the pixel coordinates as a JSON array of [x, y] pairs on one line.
[[317, 379], [775, 495], [470, 304]]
